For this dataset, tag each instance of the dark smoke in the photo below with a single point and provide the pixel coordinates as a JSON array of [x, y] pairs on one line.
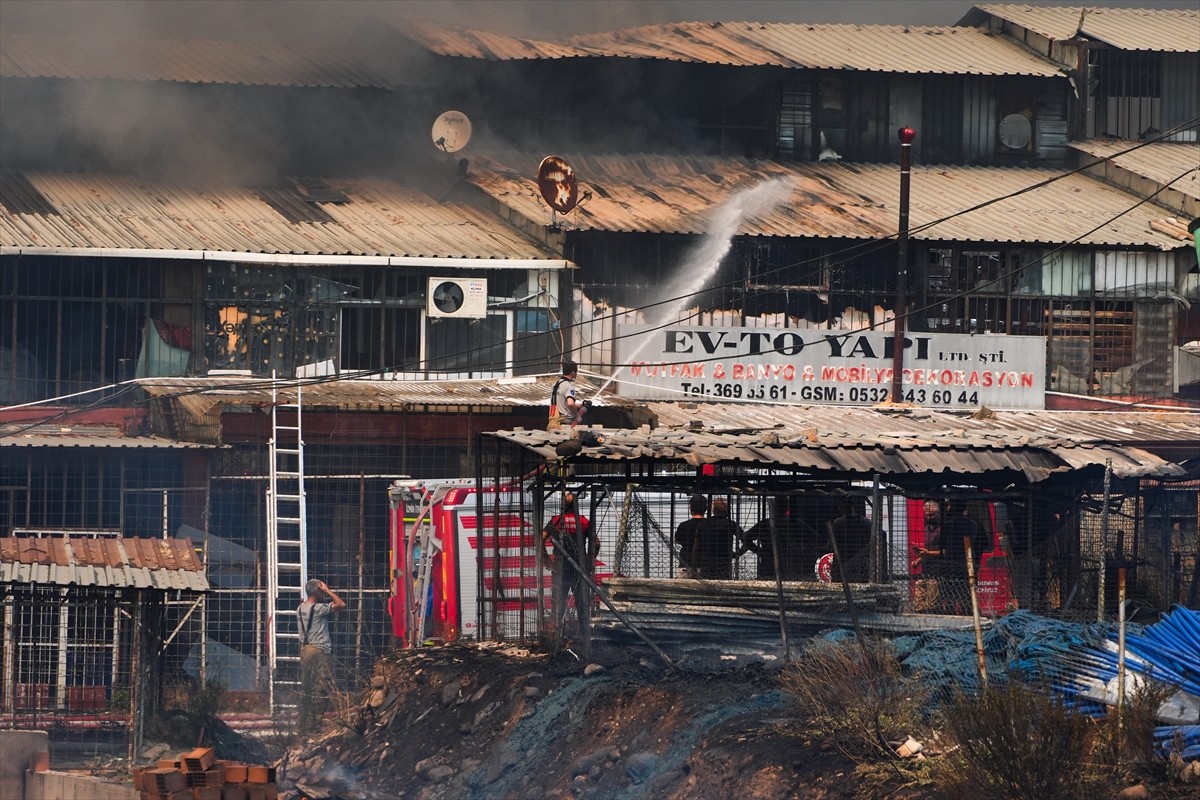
[[255, 135]]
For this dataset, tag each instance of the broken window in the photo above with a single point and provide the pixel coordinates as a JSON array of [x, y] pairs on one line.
[[270, 321]]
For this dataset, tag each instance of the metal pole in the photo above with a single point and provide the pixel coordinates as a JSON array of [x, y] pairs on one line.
[[906, 136], [1103, 541], [783, 632], [1120, 654], [983, 679]]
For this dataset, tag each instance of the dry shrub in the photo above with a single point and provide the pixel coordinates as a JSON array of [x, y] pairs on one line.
[[1016, 742], [1131, 742], [856, 695]]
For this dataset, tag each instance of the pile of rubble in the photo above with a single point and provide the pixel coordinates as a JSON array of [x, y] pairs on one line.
[[486, 722]]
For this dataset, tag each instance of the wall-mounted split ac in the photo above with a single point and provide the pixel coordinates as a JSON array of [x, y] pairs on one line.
[[462, 298]]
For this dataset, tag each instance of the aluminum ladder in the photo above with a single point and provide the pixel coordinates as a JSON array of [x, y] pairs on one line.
[[287, 548]]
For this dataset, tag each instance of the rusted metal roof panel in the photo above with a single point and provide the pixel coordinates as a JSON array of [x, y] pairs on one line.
[[84, 436], [467, 43], [102, 563], [203, 394], [187, 61], [863, 456], [381, 219], [872, 48], [819, 423], [649, 193], [1166, 30], [1161, 162]]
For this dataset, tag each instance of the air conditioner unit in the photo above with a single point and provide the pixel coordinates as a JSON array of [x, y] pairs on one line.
[[464, 298]]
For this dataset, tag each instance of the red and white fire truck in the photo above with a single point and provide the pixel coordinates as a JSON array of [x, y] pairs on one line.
[[993, 582], [464, 564]]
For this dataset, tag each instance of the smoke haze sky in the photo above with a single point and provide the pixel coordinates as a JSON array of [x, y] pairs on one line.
[[329, 21]]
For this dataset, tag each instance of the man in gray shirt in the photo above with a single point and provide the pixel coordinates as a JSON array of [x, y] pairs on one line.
[[316, 673]]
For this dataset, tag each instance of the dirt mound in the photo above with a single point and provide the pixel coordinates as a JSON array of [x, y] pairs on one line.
[[493, 722]]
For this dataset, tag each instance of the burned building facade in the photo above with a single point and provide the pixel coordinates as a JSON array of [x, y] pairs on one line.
[[158, 272]]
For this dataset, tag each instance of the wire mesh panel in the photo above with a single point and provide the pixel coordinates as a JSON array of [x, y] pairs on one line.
[[68, 666]]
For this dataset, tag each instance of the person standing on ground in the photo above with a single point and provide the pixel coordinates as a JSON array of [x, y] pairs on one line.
[[951, 554], [571, 535], [926, 590], [316, 668], [565, 407], [687, 536], [852, 530], [717, 535]]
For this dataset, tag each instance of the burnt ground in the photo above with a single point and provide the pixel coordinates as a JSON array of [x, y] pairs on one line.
[[495, 722]]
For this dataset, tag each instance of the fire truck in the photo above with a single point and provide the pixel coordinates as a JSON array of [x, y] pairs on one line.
[[993, 581], [464, 563]]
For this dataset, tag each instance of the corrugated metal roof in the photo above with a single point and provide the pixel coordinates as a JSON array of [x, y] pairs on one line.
[[1160, 162], [1136, 428], [186, 61], [382, 219], [204, 394], [162, 564], [861, 452], [488, 45], [1168, 30], [678, 194], [872, 48], [18, 435]]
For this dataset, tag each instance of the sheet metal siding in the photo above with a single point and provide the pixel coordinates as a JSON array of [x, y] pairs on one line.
[[186, 61], [1050, 126], [835, 200], [102, 563], [1163, 30], [1180, 92], [904, 109], [382, 219], [979, 121], [872, 48]]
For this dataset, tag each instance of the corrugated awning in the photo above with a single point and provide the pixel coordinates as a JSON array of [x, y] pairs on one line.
[[102, 563], [91, 436], [862, 453]]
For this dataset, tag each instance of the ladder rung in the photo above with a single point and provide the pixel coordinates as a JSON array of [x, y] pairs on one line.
[[289, 542], [287, 497], [288, 451], [288, 565], [287, 474], [293, 520]]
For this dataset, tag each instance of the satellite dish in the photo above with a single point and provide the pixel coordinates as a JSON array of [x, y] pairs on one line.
[[448, 297], [556, 182], [451, 131]]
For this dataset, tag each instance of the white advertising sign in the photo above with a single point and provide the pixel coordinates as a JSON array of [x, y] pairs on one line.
[[941, 370]]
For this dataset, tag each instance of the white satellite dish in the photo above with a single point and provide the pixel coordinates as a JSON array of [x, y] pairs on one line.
[[451, 131]]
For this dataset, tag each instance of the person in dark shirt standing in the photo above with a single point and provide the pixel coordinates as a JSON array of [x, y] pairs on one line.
[[687, 537], [852, 530], [717, 535], [951, 555]]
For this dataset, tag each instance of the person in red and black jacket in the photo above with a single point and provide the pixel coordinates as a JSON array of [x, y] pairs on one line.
[[573, 539]]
